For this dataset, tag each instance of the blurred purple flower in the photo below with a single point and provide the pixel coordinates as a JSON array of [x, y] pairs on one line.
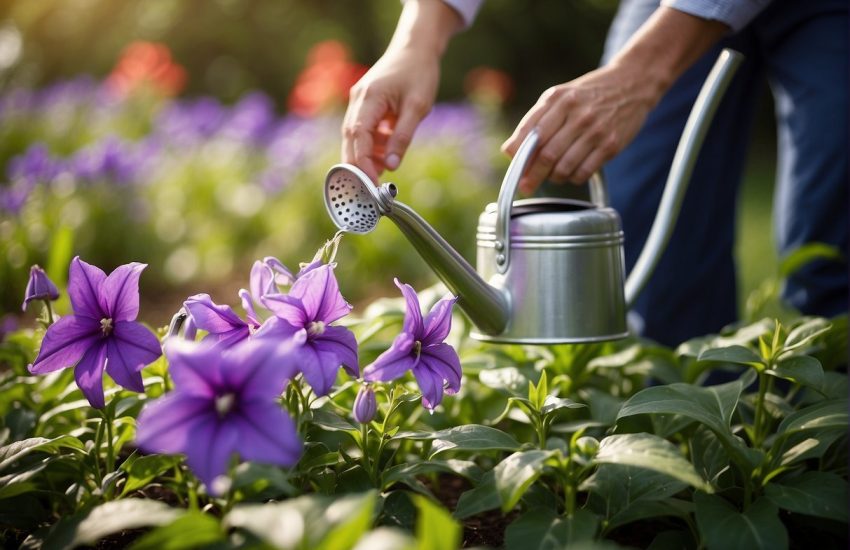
[[39, 287], [225, 402], [251, 119], [186, 123], [420, 348], [365, 405], [102, 332], [112, 159], [35, 165], [306, 313]]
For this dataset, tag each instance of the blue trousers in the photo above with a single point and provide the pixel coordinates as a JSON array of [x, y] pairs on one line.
[[801, 47]]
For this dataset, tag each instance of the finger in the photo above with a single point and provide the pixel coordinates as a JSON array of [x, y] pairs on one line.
[[528, 122], [593, 163], [412, 112], [574, 154], [358, 132]]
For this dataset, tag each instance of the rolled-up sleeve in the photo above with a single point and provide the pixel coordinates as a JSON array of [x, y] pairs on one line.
[[467, 9], [735, 13]]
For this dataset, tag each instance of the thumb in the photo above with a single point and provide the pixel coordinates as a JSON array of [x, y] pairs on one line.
[[410, 115]]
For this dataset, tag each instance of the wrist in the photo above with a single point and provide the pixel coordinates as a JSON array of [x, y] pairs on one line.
[[426, 26]]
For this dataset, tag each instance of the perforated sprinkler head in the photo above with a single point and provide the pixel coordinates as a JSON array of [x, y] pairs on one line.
[[353, 202]]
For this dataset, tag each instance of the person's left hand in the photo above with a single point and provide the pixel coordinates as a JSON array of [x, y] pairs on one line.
[[584, 122]]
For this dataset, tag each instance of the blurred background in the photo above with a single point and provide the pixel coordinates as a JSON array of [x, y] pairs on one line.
[[194, 136]]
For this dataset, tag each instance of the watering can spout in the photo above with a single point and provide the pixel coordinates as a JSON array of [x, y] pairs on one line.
[[356, 204]]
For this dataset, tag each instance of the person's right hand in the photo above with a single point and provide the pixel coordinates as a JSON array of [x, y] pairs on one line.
[[386, 106]]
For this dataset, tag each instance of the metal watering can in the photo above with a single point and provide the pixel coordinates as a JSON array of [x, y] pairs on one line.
[[549, 271]]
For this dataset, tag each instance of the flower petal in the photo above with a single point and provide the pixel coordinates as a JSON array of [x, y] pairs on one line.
[[318, 290], [443, 361], [261, 281], [320, 368], [194, 367], [288, 308], [209, 448], [65, 342], [130, 349], [267, 434], [260, 368], [340, 341], [430, 385], [211, 317], [413, 313], [394, 362], [84, 281], [438, 322], [89, 374], [119, 293], [164, 424]]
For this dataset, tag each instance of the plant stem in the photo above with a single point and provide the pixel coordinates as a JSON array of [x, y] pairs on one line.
[[98, 441], [110, 450], [759, 416], [49, 309], [570, 491], [364, 445]]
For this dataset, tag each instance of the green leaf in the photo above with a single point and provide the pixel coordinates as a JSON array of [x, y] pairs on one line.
[[469, 437], [509, 379], [435, 528], [482, 498], [733, 354], [192, 530], [708, 455], [806, 333], [516, 473], [543, 529], [722, 527], [312, 521], [331, 421], [826, 414], [144, 469], [19, 449], [615, 489], [386, 538], [801, 369], [404, 472], [650, 452], [21, 481], [112, 517], [805, 254], [804, 446], [552, 403], [821, 494]]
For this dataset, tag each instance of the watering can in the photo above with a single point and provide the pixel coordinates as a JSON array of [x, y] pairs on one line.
[[549, 271]]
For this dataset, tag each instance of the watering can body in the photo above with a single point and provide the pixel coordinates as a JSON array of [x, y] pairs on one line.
[[548, 271], [554, 242]]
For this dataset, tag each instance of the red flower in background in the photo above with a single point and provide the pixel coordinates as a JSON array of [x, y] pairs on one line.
[[147, 64], [325, 82], [488, 85]]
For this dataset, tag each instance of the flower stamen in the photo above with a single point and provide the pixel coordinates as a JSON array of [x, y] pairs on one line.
[[315, 328], [106, 326], [417, 348], [224, 404]]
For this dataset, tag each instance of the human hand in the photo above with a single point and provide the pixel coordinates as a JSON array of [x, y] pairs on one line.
[[386, 106], [583, 123]]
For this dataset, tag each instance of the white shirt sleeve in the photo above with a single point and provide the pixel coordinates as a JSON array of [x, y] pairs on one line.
[[735, 13]]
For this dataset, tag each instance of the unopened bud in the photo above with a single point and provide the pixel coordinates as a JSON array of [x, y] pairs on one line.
[[365, 405]]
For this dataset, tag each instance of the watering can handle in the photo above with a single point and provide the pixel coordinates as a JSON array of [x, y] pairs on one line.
[[598, 196]]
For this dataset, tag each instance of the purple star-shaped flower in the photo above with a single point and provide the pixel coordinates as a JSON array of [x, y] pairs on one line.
[[102, 332], [313, 303], [420, 348], [221, 322], [224, 402]]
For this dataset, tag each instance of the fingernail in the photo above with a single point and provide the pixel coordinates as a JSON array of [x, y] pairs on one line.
[[392, 161]]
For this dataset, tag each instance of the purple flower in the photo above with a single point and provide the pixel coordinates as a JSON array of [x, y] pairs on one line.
[[224, 402], [365, 405], [221, 322], [420, 348], [39, 287], [102, 332], [313, 303]]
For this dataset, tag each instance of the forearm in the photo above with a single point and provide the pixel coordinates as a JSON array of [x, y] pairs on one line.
[[665, 46], [426, 25]]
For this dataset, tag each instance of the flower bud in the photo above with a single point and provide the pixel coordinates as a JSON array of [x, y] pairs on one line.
[[39, 287], [365, 405]]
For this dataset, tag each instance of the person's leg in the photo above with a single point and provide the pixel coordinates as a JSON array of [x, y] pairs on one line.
[[806, 56], [693, 290]]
